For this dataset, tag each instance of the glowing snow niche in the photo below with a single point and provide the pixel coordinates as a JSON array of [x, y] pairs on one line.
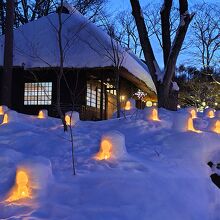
[[3, 109], [9, 116], [192, 111], [43, 114], [21, 190], [184, 122], [71, 118], [151, 114], [215, 125], [209, 113], [130, 104], [112, 146]]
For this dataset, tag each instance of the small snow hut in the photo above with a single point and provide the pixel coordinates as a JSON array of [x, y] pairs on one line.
[[89, 68]]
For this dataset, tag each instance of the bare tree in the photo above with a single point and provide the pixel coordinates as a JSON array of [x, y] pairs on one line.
[[167, 93], [6, 79], [206, 37]]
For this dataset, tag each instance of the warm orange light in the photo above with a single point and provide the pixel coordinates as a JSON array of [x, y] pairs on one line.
[[41, 114], [193, 113], [5, 119], [128, 105], [154, 115], [1, 110], [105, 150], [211, 114], [21, 190], [191, 126], [68, 120], [217, 127]]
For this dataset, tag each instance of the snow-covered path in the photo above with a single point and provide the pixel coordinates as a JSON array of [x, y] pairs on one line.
[[164, 176]]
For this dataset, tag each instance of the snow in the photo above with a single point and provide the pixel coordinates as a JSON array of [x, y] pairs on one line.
[[164, 174], [175, 86], [84, 46], [72, 117]]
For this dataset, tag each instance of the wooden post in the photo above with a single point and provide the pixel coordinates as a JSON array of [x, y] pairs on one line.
[[101, 99]]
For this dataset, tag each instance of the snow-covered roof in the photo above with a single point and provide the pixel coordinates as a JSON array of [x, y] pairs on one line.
[[84, 45]]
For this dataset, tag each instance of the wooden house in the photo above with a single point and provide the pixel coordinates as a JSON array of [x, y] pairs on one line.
[[92, 62]]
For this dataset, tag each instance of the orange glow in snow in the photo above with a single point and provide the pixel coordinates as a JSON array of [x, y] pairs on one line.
[[21, 189], [5, 119], [193, 113], [211, 114], [68, 120], [155, 115], [128, 105], [217, 127], [191, 126], [41, 114], [105, 150], [1, 110]]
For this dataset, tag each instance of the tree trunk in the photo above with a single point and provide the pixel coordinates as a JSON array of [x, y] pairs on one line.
[[6, 79], [2, 17]]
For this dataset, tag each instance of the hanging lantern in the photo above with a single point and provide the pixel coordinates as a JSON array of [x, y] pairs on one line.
[[151, 113], [21, 190], [71, 118], [192, 111], [43, 114], [209, 113], [112, 146], [184, 122]]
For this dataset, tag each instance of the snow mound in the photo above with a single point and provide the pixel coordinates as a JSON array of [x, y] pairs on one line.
[[72, 118], [209, 113], [151, 113]]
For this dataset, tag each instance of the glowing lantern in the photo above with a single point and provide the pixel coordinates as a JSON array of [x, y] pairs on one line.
[[214, 125], [5, 119], [71, 118], [3, 109], [192, 111], [152, 113], [43, 114], [209, 112], [130, 104], [112, 146], [21, 190], [149, 104], [183, 122]]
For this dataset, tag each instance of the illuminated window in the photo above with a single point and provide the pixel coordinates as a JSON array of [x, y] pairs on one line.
[[38, 93], [93, 97], [110, 89]]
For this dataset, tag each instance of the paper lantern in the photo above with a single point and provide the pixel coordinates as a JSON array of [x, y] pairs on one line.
[[71, 118], [209, 113], [151, 113], [214, 125], [192, 111], [183, 122], [112, 146], [43, 114], [3, 109], [130, 104], [21, 190]]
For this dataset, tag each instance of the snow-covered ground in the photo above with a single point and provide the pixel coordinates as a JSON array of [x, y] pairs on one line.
[[163, 176]]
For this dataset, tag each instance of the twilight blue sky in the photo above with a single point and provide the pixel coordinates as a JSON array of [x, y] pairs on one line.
[[119, 5]]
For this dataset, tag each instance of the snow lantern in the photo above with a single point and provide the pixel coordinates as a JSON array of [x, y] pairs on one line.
[[43, 114], [151, 113], [112, 146], [209, 113], [215, 125], [71, 118], [3, 109], [192, 111], [9, 116], [183, 122], [130, 104], [21, 188], [32, 179]]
